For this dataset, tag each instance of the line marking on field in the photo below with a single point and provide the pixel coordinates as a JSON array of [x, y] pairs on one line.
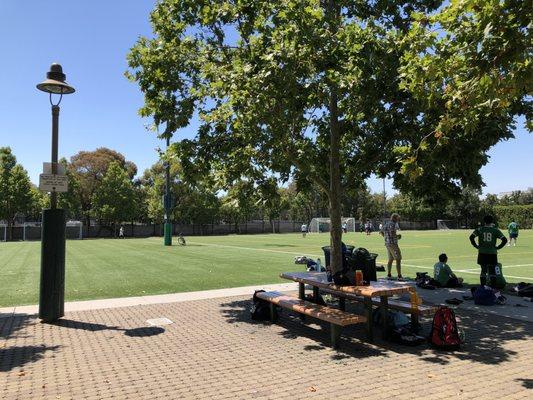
[[252, 248]]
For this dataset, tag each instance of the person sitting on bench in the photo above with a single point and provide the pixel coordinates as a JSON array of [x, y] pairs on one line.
[[443, 275]]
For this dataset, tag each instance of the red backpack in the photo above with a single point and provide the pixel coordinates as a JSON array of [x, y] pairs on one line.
[[444, 333]]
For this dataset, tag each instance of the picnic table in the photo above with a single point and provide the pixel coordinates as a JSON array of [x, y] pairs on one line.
[[381, 289]]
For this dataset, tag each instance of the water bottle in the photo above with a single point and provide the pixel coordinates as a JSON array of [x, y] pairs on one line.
[[318, 265]]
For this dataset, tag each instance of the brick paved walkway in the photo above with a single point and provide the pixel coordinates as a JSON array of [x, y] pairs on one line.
[[214, 351]]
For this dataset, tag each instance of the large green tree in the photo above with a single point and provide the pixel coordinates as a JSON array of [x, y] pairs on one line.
[[114, 200], [317, 90], [15, 189], [87, 169]]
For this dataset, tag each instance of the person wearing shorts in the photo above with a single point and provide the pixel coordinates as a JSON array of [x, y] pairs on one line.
[[487, 257], [391, 243], [513, 233]]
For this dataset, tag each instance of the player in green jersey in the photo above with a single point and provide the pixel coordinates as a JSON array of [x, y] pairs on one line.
[[487, 256], [513, 233]]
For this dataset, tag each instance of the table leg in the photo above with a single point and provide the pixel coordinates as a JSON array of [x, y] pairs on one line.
[[316, 294], [342, 304], [335, 335], [384, 306], [301, 291], [301, 296], [369, 320]]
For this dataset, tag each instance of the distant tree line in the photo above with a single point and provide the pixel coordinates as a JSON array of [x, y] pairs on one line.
[[103, 187]]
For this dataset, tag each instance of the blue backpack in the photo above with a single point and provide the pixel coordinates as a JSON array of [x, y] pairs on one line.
[[484, 297]]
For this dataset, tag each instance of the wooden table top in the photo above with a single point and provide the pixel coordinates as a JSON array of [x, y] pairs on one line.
[[319, 279]]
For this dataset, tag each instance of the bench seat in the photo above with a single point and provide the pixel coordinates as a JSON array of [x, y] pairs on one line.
[[336, 318]]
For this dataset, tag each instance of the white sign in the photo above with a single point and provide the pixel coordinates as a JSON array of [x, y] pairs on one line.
[[47, 168], [53, 183]]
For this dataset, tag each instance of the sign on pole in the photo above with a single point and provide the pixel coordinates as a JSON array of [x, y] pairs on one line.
[[53, 183]]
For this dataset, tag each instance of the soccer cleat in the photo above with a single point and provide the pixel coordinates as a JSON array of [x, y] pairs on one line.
[[389, 277], [400, 278], [508, 244]]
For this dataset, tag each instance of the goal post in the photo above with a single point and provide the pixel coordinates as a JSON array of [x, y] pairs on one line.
[[446, 224], [320, 225], [32, 230], [74, 230]]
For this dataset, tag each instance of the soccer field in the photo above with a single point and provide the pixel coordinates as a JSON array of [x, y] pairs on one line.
[[107, 268]]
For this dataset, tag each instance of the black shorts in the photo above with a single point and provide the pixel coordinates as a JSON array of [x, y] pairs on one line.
[[487, 259]]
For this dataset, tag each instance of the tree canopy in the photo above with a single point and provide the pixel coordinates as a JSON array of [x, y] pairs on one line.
[[322, 90]]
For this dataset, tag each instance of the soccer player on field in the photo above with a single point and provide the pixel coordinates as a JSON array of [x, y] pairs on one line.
[[513, 233], [487, 250]]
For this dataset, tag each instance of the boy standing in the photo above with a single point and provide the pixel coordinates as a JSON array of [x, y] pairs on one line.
[[487, 250], [442, 273], [391, 243], [513, 233]]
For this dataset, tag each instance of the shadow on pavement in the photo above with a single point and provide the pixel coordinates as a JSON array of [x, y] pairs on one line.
[[143, 331], [18, 356], [352, 344], [486, 336], [527, 383]]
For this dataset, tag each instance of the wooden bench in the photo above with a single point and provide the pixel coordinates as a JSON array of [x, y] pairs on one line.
[[400, 305], [336, 318]]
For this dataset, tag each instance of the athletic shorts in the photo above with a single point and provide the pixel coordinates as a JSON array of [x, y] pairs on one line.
[[513, 235], [487, 259], [394, 252]]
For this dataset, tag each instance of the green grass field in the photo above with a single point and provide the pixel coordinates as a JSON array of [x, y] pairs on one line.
[[107, 268]]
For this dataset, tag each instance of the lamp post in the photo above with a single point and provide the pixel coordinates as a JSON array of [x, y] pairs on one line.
[[52, 288], [167, 202]]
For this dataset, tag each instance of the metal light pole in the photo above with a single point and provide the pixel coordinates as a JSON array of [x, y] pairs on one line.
[[167, 202], [384, 200], [52, 288]]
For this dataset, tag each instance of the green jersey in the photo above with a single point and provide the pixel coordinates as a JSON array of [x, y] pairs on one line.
[[487, 239], [513, 227], [442, 273]]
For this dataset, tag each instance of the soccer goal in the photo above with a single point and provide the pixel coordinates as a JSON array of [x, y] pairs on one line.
[[32, 230], [3, 233], [446, 224], [320, 225]]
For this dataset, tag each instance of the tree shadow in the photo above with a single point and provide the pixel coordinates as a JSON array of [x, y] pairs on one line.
[[352, 343], [18, 356], [14, 323], [278, 245], [486, 335]]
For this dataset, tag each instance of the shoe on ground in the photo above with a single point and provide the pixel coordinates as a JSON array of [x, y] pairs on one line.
[[389, 277], [508, 244], [400, 278]]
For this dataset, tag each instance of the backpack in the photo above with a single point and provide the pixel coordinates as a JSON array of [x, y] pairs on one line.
[[484, 296], [444, 333], [524, 289], [424, 281], [260, 309]]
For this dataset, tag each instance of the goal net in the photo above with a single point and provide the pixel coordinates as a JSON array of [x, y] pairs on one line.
[[320, 225], [32, 230], [445, 224]]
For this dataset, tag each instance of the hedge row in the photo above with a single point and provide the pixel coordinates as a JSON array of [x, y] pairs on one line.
[[523, 215]]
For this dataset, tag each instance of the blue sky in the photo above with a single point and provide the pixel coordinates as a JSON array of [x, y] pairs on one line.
[[90, 39]]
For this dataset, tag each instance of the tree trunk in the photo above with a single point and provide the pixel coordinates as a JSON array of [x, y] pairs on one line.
[[334, 161], [335, 184]]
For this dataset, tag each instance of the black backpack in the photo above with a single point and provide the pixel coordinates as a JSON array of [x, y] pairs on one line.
[[260, 309], [444, 332], [524, 289]]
